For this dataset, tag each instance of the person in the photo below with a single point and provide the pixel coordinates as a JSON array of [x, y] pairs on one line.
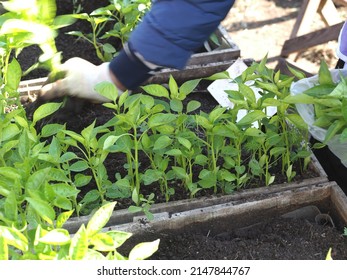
[[341, 50], [167, 36]]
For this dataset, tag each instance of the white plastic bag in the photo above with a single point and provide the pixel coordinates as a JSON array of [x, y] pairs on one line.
[[306, 111]]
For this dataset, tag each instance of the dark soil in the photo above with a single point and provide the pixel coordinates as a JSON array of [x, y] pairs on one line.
[[273, 239], [276, 238]]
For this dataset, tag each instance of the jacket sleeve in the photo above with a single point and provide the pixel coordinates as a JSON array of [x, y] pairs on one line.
[[342, 44], [168, 35]]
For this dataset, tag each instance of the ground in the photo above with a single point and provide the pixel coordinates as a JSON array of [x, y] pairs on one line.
[[258, 28], [261, 27]]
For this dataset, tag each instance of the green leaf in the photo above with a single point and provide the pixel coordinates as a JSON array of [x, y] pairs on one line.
[[79, 244], [201, 160], [251, 117], [134, 209], [161, 119], [162, 142], [3, 249], [119, 237], [220, 75], [276, 151], [179, 172], [43, 209], [248, 93], [226, 175], [120, 189], [188, 86], [88, 132], [297, 121], [68, 156], [208, 179], [75, 136], [176, 105], [184, 142], [13, 75], [37, 179], [10, 207], [254, 132], [267, 86], [81, 180], [193, 105], [79, 166], [297, 73], [156, 90], [334, 128], [10, 173], [320, 90], [144, 250], [204, 122], [64, 190], [108, 48], [111, 140], [324, 75], [100, 218], [299, 99], [44, 111], [173, 88], [102, 242], [14, 237], [216, 114], [90, 196], [174, 152], [56, 237], [108, 90], [9, 132], [63, 217], [63, 21]]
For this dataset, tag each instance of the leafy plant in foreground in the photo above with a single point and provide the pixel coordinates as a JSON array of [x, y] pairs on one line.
[[26, 23], [56, 243]]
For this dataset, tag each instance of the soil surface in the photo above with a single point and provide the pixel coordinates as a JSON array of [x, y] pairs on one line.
[[277, 238], [257, 27]]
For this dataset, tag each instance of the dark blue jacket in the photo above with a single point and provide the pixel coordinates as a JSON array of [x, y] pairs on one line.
[[168, 35]]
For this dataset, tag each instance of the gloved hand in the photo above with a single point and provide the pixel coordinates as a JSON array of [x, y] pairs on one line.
[[342, 45], [81, 77]]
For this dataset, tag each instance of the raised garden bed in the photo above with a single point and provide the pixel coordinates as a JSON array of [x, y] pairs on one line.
[[309, 187], [296, 223]]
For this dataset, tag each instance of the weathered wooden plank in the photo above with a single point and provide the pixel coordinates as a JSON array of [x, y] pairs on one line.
[[305, 17], [328, 12], [312, 39]]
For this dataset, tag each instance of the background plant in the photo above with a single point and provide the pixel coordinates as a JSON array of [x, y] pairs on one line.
[[116, 20]]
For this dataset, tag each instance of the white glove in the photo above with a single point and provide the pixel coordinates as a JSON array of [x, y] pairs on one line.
[[81, 77], [342, 45]]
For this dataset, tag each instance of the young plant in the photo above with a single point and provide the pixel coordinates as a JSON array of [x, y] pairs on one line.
[[33, 186], [286, 128], [90, 155]]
